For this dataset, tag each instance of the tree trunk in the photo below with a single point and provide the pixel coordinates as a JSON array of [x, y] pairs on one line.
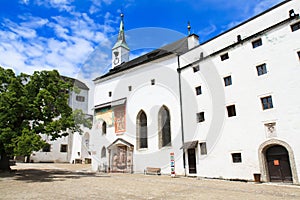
[[4, 162]]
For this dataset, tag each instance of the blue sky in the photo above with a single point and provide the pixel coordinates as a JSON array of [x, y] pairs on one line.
[[75, 36]]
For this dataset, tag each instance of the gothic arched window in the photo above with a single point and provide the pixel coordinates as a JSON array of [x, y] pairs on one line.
[[142, 132], [164, 127], [86, 140], [104, 128], [103, 152]]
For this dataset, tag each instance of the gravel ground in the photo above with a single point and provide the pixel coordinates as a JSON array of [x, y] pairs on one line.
[[66, 181]]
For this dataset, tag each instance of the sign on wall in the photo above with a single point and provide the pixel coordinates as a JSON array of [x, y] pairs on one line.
[[172, 164]]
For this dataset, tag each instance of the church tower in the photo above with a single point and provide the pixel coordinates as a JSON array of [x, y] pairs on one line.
[[120, 51]]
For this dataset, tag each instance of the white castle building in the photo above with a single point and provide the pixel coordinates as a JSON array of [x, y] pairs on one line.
[[227, 108], [73, 148]]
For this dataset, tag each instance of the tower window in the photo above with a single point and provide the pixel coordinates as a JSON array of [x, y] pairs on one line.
[[198, 90], [266, 102], [196, 68], [109, 94], [153, 82], [261, 69], [224, 56], [236, 157], [257, 43], [200, 117], [129, 88], [295, 27], [231, 111], [227, 80], [80, 98]]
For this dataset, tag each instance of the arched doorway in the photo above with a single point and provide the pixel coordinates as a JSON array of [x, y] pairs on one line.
[[278, 164], [263, 158]]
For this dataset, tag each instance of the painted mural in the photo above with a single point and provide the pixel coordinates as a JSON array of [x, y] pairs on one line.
[[104, 114], [120, 118]]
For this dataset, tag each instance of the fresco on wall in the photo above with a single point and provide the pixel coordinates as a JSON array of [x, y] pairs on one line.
[[104, 114], [120, 118]]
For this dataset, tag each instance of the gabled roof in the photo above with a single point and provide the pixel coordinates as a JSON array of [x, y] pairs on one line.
[[76, 82], [179, 47], [120, 141]]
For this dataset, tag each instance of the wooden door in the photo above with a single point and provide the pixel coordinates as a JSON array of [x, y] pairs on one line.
[[278, 164], [192, 161]]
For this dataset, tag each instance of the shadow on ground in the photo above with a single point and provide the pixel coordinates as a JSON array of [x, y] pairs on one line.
[[37, 175]]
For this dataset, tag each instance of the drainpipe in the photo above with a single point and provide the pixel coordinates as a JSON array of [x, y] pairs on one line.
[[181, 113]]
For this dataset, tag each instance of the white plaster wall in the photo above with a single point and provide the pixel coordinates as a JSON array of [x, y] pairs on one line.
[[149, 98], [245, 132], [258, 24], [54, 155], [74, 104], [76, 147]]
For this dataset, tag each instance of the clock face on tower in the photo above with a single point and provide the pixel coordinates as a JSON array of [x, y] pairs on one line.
[[116, 59]]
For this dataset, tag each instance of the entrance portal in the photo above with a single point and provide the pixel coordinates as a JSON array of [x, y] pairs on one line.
[[278, 164], [120, 156]]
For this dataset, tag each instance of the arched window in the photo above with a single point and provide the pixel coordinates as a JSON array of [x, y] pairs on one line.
[[86, 140], [164, 127], [104, 128], [103, 152], [142, 132]]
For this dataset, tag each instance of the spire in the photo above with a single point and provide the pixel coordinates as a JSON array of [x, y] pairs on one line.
[[189, 28], [121, 36]]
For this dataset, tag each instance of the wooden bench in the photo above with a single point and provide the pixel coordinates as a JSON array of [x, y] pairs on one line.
[[152, 170]]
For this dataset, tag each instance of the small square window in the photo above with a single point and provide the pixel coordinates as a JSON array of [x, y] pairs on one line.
[[203, 150], [261, 69], [236, 157], [231, 111], [295, 27], [266, 102], [227, 80], [200, 117], [153, 82], [47, 148], [256, 43], [63, 148], [198, 90], [196, 68], [224, 56], [109, 94], [298, 54], [129, 88]]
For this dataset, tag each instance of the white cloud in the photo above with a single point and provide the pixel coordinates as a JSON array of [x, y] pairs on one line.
[[26, 2], [61, 5], [264, 4], [207, 31], [66, 47]]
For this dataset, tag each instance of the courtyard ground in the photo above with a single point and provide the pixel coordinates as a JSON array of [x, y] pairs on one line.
[[67, 181]]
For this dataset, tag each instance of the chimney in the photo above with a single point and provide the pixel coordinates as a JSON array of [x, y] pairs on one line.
[[193, 40]]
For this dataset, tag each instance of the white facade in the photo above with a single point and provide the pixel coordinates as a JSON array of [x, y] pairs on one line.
[[250, 126]]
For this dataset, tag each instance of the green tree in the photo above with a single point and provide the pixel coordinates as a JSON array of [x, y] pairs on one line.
[[31, 105]]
